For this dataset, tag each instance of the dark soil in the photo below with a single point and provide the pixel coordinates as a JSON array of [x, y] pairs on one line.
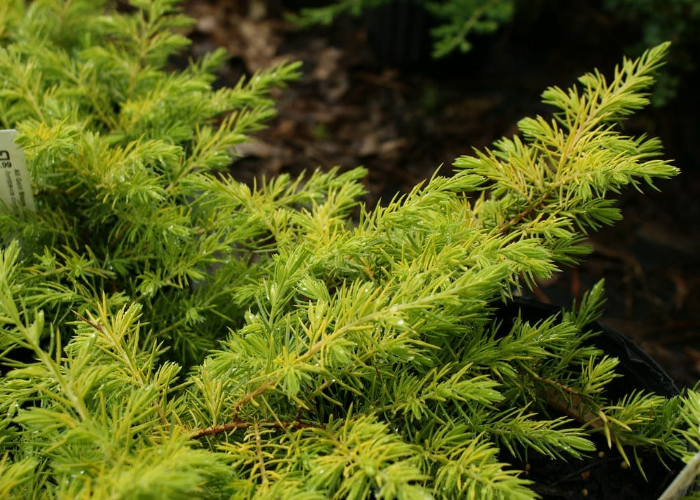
[[605, 476], [352, 108]]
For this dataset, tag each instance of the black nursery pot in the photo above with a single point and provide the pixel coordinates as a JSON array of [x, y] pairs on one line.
[[601, 476]]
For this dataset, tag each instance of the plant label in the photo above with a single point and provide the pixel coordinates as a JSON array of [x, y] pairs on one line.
[[15, 188]]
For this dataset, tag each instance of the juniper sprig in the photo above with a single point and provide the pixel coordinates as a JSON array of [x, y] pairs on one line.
[[167, 331]]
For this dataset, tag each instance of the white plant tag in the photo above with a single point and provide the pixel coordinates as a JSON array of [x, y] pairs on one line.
[[15, 187]]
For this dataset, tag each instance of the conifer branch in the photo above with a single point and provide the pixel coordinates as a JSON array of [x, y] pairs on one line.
[[525, 213], [196, 294], [240, 424], [571, 406], [89, 322]]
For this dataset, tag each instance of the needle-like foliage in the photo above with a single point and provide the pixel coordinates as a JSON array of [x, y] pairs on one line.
[[457, 20], [169, 332]]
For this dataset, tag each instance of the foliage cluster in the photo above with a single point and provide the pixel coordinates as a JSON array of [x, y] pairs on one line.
[[169, 332], [675, 20], [456, 21]]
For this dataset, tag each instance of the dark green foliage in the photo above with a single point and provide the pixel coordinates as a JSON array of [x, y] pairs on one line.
[[459, 19], [661, 20]]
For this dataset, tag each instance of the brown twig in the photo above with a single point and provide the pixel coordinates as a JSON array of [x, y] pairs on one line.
[[248, 397], [571, 406], [91, 323], [524, 213], [240, 424]]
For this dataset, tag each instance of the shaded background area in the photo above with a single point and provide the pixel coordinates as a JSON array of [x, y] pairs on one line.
[[351, 107]]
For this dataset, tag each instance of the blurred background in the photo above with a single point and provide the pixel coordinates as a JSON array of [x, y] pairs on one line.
[[373, 94]]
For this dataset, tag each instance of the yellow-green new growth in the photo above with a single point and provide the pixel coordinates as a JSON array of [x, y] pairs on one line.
[[169, 332]]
